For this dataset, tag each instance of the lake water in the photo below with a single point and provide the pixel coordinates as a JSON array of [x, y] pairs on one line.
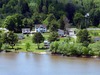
[[35, 64]]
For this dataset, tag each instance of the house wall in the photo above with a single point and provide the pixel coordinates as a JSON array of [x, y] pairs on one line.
[[26, 30], [40, 29], [71, 33]]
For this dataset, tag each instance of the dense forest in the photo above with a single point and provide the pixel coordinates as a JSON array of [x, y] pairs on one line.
[[15, 14]]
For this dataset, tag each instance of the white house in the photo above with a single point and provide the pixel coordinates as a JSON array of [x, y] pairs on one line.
[[26, 30], [40, 28], [60, 32], [71, 32]]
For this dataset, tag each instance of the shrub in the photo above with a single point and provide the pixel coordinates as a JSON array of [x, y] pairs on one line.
[[85, 51], [53, 37], [54, 47], [27, 46]]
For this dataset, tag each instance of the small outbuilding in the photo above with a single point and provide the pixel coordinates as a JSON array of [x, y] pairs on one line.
[[26, 30]]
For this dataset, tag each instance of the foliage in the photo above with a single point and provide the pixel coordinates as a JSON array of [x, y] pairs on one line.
[[78, 18], [95, 16], [13, 23], [54, 47], [44, 11], [95, 47], [38, 38], [61, 22], [54, 26], [53, 37], [83, 37], [27, 23], [27, 46], [10, 38], [49, 19], [70, 49]]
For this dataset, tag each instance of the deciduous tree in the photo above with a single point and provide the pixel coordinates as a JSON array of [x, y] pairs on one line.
[[38, 38], [10, 38]]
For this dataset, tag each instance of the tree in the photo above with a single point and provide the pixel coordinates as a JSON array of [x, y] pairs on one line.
[[53, 37], [51, 8], [27, 23], [54, 25], [44, 9], [13, 23], [38, 38], [83, 37], [10, 38], [48, 20], [95, 16], [78, 18], [37, 18], [61, 22], [70, 9], [67, 24]]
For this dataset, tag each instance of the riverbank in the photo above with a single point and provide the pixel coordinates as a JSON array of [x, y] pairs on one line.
[[20, 51], [49, 53], [78, 56]]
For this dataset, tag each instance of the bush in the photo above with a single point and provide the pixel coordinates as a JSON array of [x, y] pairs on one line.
[[78, 47], [53, 37], [83, 35], [27, 46], [70, 49], [85, 51], [85, 43]]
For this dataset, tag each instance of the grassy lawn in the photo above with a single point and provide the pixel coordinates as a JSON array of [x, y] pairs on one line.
[[21, 45], [33, 47], [94, 33]]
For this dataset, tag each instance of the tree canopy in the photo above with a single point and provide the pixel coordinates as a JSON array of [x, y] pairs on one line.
[[38, 38], [10, 38], [44, 11]]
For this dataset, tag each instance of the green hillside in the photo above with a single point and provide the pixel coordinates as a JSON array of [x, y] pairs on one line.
[[31, 12]]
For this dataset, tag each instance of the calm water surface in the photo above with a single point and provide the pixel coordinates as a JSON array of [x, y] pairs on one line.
[[35, 64]]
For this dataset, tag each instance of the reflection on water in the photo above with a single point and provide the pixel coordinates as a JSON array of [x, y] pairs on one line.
[[35, 64]]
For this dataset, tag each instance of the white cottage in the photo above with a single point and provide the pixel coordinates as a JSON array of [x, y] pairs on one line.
[[26, 30], [40, 28], [71, 31]]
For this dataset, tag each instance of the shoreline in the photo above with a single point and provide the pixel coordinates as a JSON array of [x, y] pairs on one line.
[[49, 53], [44, 52]]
